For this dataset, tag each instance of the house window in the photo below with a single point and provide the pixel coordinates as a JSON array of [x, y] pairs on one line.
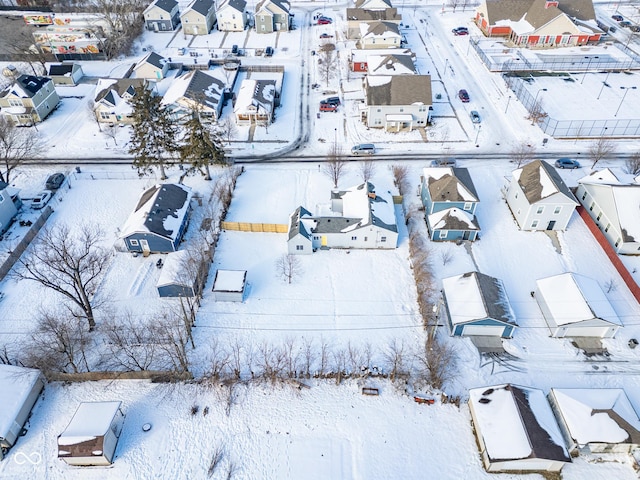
[[593, 204], [607, 227], [599, 216], [516, 196], [354, 238], [1, 198], [233, 16], [15, 103], [105, 115], [383, 239], [584, 195], [299, 247], [540, 210], [134, 242], [443, 234], [534, 224], [379, 110], [467, 206], [366, 238], [617, 242], [557, 210], [315, 237], [402, 110]]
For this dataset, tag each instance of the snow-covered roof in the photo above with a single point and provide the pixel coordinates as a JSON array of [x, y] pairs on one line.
[[390, 65], [16, 385], [446, 184], [160, 210], [539, 180], [604, 176], [91, 420], [152, 58], [453, 219], [255, 95], [202, 86], [474, 296], [230, 281], [598, 415], [359, 55], [176, 269], [573, 298], [25, 86], [516, 423]]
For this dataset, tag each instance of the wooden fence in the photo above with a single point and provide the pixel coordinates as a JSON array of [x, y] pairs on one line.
[[255, 227]]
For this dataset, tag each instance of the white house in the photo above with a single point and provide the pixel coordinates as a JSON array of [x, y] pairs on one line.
[[575, 306], [229, 285], [516, 430], [232, 15], [111, 103], [255, 102], [596, 420], [373, 4], [539, 199], [397, 103], [379, 35], [356, 218], [357, 16], [614, 206], [151, 67]]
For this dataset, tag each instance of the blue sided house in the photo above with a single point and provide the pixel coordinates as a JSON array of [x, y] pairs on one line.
[[450, 200], [159, 220], [477, 304]]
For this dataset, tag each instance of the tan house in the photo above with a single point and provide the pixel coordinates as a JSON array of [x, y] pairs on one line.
[[65, 73], [232, 15], [151, 67], [29, 100], [273, 16], [357, 16], [199, 17], [111, 103], [379, 35], [373, 4]]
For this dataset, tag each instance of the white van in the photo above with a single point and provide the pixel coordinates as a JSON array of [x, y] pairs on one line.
[[363, 149]]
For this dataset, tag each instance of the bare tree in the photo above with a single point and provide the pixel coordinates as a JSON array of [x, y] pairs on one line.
[[436, 364], [172, 339], [367, 170], [401, 178], [453, 4], [632, 164], [123, 20], [537, 113], [111, 131], [395, 356], [522, 153], [227, 129], [217, 456], [335, 166], [68, 264], [16, 146], [288, 266], [130, 345], [600, 149], [327, 62]]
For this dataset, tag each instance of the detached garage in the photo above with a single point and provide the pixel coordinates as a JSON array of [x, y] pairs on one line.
[[229, 285], [477, 305], [575, 306]]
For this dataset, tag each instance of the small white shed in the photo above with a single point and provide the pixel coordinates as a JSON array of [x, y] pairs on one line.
[[229, 285], [19, 390], [575, 306], [92, 435]]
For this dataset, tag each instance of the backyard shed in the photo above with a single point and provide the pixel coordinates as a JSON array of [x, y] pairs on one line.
[[19, 391], [516, 430], [596, 420], [179, 275], [92, 435], [229, 285], [575, 306]]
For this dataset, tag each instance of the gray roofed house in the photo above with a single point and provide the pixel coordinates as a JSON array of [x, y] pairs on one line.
[[199, 17], [66, 73], [152, 67], [255, 102], [28, 100], [273, 16], [162, 16], [357, 16], [378, 34], [539, 199], [397, 102], [159, 220], [232, 15], [111, 103], [390, 65]]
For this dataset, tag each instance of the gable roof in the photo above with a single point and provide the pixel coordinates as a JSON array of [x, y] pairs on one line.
[[539, 180], [516, 423], [259, 93], [61, 69], [26, 86], [446, 184], [364, 15], [238, 5], [160, 210], [361, 3], [453, 219], [296, 225], [179, 268], [535, 12], [269, 5], [198, 86], [154, 59], [398, 90], [111, 91], [203, 7], [17, 384], [475, 296], [597, 415], [166, 5], [390, 65], [379, 28], [92, 419]]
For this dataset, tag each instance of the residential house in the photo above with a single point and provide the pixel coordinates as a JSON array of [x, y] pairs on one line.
[[159, 220], [92, 435], [151, 67], [391, 65], [477, 304], [255, 102], [596, 420], [232, 15], [65, 73], [181, 276], [20, 390], [397, 102], [29, 100], [450, 201], [162, 16], [9, 205], [358, 58], [111, 103], [614, 206], [199, 17], [356, 218], [576, 306], [539, 199], [377, 35], [539, 23], [199, 90], [357, 16], [273, 16], [230, 285], [373, 4], [516, 430]]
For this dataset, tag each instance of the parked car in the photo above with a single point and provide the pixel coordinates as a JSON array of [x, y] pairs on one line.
[[324, 21], [327, 107], [475, 116], [565, 162], [54, 181], [444, 162], [234, 49], [612, 29], [332, 100], [625, 24], [460, 31], [634, 28], [41, 199], [464, 96], [326, 36], [363, 149], [268, 52], [617, 18]]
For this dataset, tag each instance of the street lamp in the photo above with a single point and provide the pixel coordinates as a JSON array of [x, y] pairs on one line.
[[588, 65], [626, 90], [477, 135], [508, 100], [604, 84], [535, 105], [445, 67]]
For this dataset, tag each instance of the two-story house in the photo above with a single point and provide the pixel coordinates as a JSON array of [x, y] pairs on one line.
[[29, 100], [255, 102], [450, 201], [379, 35], [152, 67], [358, 16], [198, 18], [111, 103], [273, 16], [162, 16], [539, 199], [232, 15]]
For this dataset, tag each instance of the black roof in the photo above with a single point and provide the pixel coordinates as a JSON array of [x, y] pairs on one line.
[[166, 5], [202, 6], [61, 69], [169, 200]]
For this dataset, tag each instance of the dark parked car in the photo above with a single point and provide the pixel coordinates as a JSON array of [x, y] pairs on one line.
[[234, 49], [332, 101], [625, 24], [268, 52], [326, 36], [54, 181], [444, 162], [612, 29], [475, 116], [460, 31], [464, 96], [617, 18], [565, 162]]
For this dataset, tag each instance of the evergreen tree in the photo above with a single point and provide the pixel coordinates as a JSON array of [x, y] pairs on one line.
[[153, 134], [201, 147]]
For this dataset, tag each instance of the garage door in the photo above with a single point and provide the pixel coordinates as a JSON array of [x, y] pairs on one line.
[[488, 331], [586, 331]]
